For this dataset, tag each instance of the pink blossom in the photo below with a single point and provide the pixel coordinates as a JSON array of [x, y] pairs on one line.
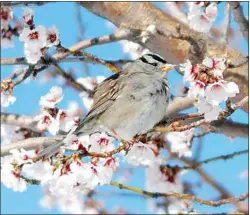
[[54, 96]]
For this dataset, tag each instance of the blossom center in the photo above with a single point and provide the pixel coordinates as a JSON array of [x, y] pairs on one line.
[[34, 36]]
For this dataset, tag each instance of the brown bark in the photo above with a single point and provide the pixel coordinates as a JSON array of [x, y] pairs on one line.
[[175, 41]]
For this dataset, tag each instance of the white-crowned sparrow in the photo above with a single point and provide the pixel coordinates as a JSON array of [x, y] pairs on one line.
[[130, 102]]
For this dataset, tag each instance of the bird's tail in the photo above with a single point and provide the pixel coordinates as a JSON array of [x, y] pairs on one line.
[[50, 150]]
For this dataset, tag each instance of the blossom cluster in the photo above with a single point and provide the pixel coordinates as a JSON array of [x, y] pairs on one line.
[[52, 118], [6, 17], [165, 179], [199, 19], [207, 85], [37, 39]]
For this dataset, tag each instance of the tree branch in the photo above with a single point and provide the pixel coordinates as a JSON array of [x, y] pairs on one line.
[[171, 40], [221, 157], [20, 120], [31, 143], [240, 19], [182, 196]]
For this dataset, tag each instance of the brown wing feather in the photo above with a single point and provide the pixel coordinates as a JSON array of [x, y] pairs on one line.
[[105, 94]]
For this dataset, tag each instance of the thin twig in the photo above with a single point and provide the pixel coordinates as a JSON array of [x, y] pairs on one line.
[[22, 61], [181, 196], [22, 3], [71, 80], [221, 157]]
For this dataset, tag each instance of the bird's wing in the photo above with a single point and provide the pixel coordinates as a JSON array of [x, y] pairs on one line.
[[104, 96]]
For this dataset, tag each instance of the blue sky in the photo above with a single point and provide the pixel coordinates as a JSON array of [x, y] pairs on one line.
[[63, 16]]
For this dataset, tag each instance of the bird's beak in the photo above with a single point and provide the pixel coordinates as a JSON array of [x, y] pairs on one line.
[[167, 67]]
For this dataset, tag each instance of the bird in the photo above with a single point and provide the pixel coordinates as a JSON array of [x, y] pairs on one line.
[[128, 103]]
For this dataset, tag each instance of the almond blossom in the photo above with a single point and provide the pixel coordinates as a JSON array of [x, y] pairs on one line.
[[41, 170], [101, 142], [28, 15], [6, 17], [52, 36], [199, 20], [6, 99], [141, 154], [196, 89], [10, 177], [190, 71], [46, 121], [160, 181], [180, 142], [210, 111], [9, 134], [32, 56], [54, 96], [220, 91], [21, 156], [216, 64], [35, 39]]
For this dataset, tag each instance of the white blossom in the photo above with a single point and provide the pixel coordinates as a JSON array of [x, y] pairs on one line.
[[135, 50], [35, 39], [6, 100], [52, 36], [21, 156], [40, 170], [220, 91], [9, 134], [11, 178], [101, 142], [200, 20], [46, 121], [89, 82], [54, 96], [141, 154], [28, 14], [157, 181], [87, 100], [180, 142], [211, 111], [190, 71], [196, 89], [216, 64], [32, 55], [6, 17], [48, 200]]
